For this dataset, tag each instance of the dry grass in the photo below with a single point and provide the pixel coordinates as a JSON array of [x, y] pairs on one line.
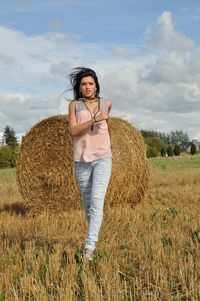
[[150, 252]]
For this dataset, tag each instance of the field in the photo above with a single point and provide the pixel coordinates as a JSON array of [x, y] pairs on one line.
[[149, 252]]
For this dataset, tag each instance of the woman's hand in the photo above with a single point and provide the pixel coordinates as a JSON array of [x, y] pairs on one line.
[[101, 116]]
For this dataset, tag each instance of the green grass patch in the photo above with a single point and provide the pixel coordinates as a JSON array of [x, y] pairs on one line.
[[174, 163], [7, 173]]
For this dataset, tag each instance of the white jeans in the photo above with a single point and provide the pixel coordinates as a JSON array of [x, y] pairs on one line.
[[93, 179]]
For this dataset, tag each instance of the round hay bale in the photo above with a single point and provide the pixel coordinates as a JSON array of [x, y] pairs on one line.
[[45, 173]]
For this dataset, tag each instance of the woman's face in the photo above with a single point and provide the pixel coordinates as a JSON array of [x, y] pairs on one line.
[[88, 87]]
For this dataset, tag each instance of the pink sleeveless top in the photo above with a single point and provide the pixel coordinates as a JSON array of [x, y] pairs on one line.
[[91, 144]]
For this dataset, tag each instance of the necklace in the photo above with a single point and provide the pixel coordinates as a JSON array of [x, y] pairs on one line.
[[90, 100], [93, 115]]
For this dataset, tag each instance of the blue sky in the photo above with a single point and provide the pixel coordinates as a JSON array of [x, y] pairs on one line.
[[114, 21], [146, 54]]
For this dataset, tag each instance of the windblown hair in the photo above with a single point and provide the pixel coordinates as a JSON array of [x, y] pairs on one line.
[[75, 80]]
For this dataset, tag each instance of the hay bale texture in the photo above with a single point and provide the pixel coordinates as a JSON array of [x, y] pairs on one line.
[[45, 173]]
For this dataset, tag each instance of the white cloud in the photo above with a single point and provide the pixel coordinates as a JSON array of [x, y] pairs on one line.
[[164, 36], [157, 89], [21, 111]]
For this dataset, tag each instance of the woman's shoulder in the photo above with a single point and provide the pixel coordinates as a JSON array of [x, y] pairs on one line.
[[72, 102], [76, 105], [72, 105], [107, 102]]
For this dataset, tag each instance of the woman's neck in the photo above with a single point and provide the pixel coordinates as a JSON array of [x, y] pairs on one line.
[[92, 99]]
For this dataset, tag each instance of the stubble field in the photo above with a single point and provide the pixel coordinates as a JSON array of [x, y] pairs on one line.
[[149, 252]]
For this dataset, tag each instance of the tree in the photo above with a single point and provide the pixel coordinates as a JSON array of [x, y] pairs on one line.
[[170, 151], [146, 133], [168, 139], [155, 142], [8, 156], [152, 152], [178, 137], [9, 137], [177, 150], [163, 152], [174, 137], [193, 149]]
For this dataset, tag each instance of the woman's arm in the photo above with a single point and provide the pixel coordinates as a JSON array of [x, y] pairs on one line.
[[74, 128], [109, 103]]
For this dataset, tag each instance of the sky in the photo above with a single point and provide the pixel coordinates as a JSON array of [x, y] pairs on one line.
[[146, 54]]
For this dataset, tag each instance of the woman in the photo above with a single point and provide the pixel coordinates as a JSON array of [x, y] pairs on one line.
[[88, 125]]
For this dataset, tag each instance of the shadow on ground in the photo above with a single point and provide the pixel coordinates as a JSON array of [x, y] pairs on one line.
[[16, 208]]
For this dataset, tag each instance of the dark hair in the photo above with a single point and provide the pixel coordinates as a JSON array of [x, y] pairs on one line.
[[75, 80]]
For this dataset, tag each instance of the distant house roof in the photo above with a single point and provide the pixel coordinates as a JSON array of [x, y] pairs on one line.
[[184, 145]]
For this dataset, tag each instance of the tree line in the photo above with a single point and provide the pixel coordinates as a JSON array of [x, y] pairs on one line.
[[9, 148], [162, 144], [158, 144]]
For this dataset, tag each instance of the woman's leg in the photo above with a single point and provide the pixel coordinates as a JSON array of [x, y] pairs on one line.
[[83, 173], [100, 180]]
